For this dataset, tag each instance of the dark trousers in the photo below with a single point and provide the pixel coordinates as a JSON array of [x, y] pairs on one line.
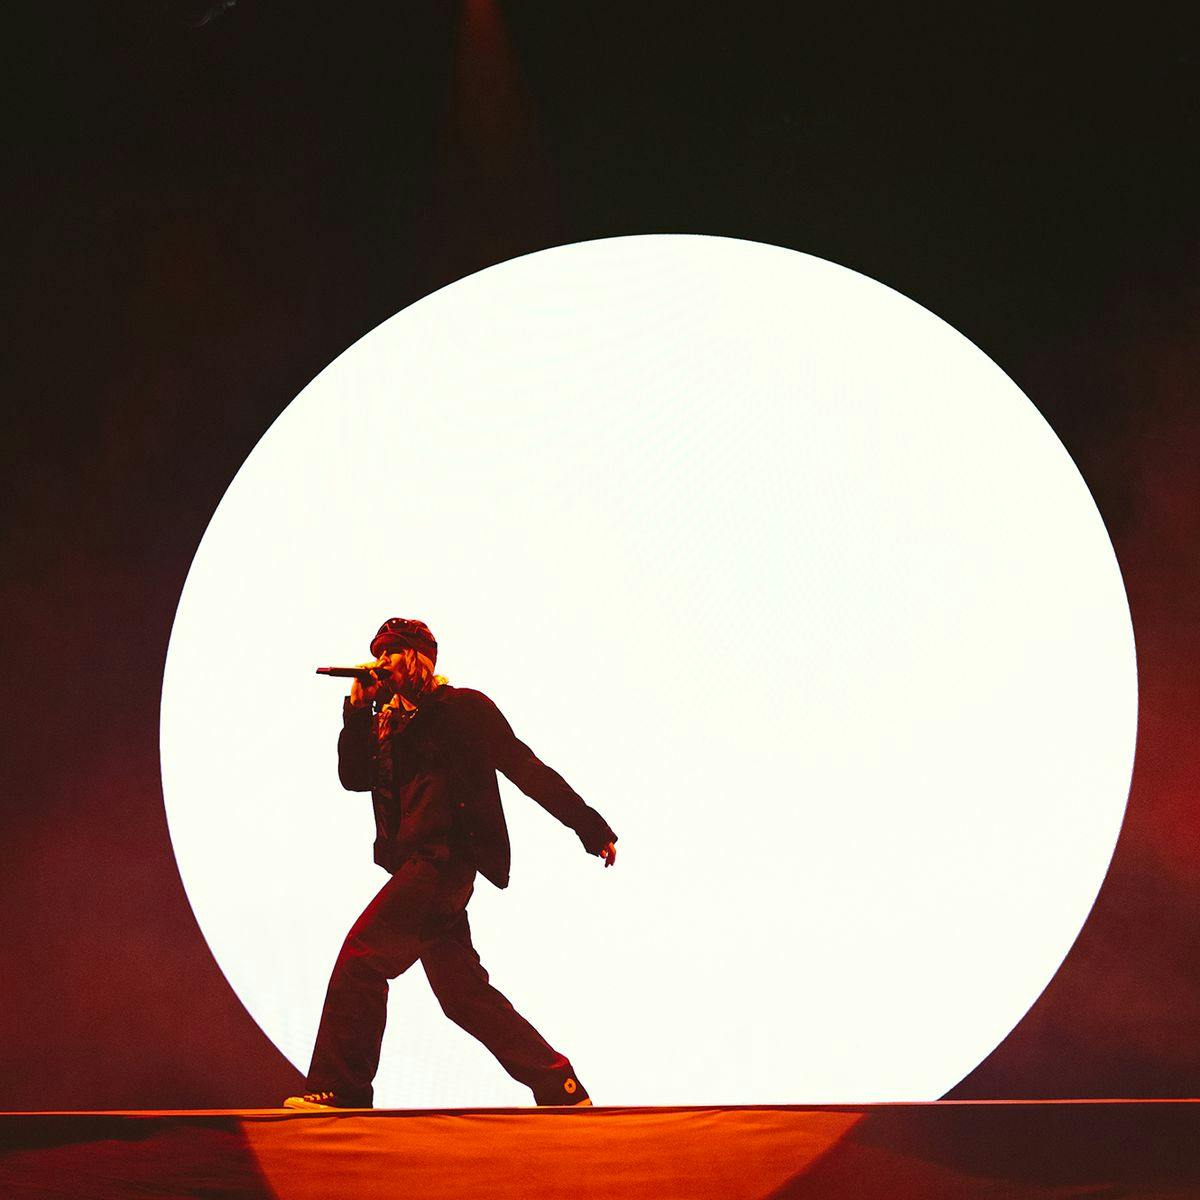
[[420, 913]]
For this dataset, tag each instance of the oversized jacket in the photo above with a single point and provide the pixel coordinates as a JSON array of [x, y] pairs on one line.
[[462, 739]]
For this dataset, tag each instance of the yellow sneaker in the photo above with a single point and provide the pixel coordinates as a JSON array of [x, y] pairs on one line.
[[319, 1102]]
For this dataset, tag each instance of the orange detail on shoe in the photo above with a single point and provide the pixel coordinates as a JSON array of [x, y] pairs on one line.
[[570, 1086]]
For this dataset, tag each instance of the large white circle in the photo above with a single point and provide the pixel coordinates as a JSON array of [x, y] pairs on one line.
[[783, 574]]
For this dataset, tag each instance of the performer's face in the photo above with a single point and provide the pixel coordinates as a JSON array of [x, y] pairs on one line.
[[393, 661], [404, 668]]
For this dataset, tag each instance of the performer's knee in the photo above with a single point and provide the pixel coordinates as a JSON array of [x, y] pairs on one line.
[[360, 960], [455, 1002], [460, 995]]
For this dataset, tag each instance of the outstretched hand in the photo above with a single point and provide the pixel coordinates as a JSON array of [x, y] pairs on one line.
[[609, 854]]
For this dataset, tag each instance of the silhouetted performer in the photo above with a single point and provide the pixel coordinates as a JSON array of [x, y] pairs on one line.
[[428, 753]]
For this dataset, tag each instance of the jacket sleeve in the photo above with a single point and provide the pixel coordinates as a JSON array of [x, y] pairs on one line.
[[356, 748], [507, 753]]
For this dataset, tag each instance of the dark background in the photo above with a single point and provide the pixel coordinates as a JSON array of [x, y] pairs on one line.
[[200, 216]]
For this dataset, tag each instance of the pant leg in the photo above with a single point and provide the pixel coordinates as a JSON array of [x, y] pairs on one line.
[[384, 942], [460, 983]]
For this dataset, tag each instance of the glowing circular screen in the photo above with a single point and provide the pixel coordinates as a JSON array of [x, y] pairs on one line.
[[778, 570]]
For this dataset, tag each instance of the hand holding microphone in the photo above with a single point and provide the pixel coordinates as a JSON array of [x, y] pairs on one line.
[[367, 681]]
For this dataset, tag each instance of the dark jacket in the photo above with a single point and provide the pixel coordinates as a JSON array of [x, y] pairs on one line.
[[444, 788]]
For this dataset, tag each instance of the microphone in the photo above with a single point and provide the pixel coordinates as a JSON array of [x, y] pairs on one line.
[[365, 675]]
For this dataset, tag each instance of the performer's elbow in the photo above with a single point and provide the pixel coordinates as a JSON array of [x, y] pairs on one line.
[[354, 779]]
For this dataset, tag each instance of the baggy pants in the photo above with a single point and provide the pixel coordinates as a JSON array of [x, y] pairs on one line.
[[420, 913]]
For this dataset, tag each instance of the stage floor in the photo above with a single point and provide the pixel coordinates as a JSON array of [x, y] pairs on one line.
[[951, 1149]]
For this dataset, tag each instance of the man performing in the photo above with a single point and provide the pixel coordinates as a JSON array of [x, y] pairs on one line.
[[428, 754]]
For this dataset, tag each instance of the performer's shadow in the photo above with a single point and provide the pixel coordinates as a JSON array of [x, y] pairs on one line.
[[946, 1151]]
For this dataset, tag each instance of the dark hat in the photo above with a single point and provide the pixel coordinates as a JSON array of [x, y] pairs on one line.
[[399, 633]]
